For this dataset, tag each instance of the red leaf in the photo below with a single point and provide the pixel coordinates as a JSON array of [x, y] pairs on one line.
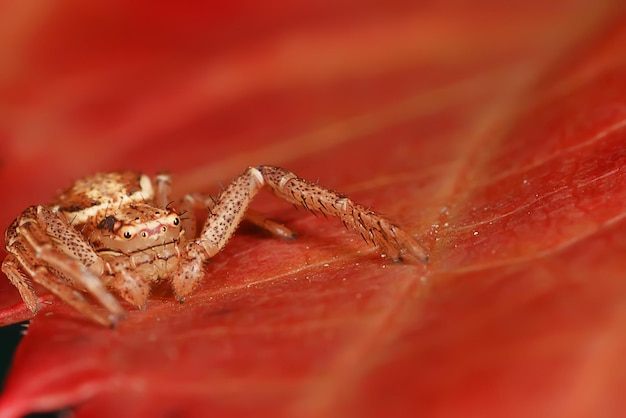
[[495, 133]]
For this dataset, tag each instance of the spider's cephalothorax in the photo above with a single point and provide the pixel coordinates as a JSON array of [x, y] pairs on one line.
[[117, 231]]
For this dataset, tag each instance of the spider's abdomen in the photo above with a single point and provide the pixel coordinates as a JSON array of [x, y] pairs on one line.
[[90, 199]]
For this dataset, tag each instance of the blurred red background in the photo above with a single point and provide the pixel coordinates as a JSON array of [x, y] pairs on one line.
[[493, 131]]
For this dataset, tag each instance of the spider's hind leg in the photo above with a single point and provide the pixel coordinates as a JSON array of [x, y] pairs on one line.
[[207, 203]]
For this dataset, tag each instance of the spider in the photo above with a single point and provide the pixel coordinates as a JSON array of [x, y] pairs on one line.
[[119, 231]]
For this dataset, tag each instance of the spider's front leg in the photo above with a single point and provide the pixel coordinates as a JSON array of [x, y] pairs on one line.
[[232, 204], [46, 247]]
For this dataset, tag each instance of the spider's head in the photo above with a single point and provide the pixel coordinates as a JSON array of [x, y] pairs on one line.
[[138, 227]]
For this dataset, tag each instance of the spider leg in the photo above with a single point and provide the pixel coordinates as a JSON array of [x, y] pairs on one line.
[[73, 297], [372, 226], [10, 267], [207, 202], [22, 257], [132, 287], [222, 221], [163, 183], [188, 207], [232, 205], [54, 244], [277, 229]]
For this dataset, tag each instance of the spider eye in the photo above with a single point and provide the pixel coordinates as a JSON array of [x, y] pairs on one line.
[[144, 234], [128, 232], [176, 221]]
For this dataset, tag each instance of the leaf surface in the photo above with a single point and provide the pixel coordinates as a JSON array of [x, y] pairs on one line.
[[494, 133]]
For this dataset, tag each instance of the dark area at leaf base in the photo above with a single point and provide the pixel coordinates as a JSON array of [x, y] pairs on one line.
[[10, 336]]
